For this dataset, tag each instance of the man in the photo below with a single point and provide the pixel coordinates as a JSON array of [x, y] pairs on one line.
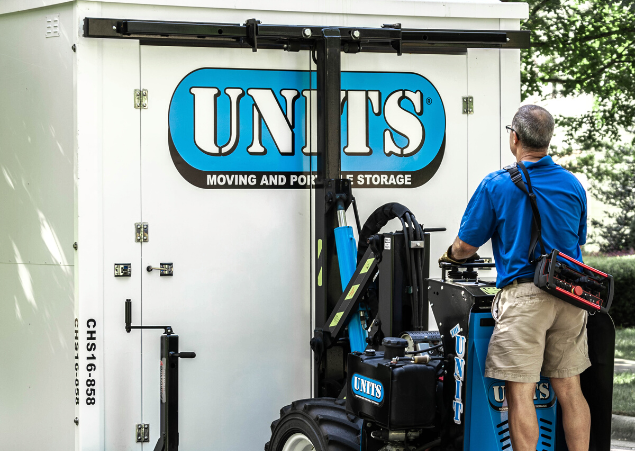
[[535, 332]]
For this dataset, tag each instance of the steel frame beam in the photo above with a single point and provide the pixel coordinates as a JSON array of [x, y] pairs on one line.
[[390, 38]]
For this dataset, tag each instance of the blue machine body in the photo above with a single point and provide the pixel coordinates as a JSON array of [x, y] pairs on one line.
[[347, 257], [486, 425]]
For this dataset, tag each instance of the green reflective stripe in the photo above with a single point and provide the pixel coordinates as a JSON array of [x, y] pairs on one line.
[[319, 248], [320, 278], [336, 319], [490, 290], [352, 291], [367, 265]]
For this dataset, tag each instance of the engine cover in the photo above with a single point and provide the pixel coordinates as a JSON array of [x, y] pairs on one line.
[[393, 395]]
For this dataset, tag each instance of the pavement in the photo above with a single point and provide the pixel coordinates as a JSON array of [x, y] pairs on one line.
[[619, 445], [623, 365], [623, 427]]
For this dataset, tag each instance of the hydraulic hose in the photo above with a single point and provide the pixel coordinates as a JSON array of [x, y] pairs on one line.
[[408, 265], [413, 272], [376, 221], [419, 259]]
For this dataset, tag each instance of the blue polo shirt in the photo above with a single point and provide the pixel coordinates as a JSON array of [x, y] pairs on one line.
[[501, 211]]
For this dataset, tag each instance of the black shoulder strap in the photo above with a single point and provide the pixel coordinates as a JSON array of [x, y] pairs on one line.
[[536, 227]]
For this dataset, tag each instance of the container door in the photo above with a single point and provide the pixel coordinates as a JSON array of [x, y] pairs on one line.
[[239, 295], [227, 159]]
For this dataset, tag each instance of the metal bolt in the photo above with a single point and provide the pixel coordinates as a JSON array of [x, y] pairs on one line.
[[355, 34], [114, 27], [507, 39], [75, 245], [76, 421], [307, 33]]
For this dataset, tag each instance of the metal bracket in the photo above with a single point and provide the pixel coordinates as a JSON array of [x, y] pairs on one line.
[[416, 245], [123, 269], [143, 432], [468, 105], [252, 33], [141, 99], [141, 232]]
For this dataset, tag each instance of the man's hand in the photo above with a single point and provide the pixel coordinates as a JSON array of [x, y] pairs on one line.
[[447, 258], [460, 252]]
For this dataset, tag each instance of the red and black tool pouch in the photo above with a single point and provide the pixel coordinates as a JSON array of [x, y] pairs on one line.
[[557, 273]]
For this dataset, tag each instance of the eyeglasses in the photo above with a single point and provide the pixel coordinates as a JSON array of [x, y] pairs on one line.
[[510, 129]]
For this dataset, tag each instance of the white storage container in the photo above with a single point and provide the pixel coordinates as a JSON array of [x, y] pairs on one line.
[[81, 166]]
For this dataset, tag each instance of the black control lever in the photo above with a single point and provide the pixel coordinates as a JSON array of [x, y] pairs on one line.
[[183, 355], [167, 329], [434, 229], [474, 264]]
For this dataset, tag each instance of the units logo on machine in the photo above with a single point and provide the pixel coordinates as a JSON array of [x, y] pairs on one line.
[[459, 372], [368, 389], [544, 396], [246, 128]]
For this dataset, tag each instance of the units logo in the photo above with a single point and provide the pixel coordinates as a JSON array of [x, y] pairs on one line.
[[544, 396], [459, 372], [245, 128], [368, 389]]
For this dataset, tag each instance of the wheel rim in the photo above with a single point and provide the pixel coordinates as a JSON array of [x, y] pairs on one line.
[[298, 442]]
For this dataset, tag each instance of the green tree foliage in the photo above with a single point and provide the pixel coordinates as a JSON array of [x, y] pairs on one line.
[[623, 271], [587, 47], [584, 47], [613, 180]]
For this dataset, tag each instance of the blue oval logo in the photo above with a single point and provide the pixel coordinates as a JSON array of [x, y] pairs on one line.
[[368, 389], [246, 128], [544, 396]]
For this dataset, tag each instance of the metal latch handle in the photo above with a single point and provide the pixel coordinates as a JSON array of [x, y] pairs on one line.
[[166, 269]]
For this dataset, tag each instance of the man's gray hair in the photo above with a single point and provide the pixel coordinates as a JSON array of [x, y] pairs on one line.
[[534, 126]]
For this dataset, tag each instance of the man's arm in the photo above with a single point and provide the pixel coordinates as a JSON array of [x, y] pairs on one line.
[[461, 250]]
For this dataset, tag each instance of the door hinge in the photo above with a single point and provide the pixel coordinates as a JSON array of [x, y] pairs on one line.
[[468, 105], [141, 232], [141, 99], [143, 432]]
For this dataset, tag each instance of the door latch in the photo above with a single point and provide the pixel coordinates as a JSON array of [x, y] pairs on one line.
[[166, 269]]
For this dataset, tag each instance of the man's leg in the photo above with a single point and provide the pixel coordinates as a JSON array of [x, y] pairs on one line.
[[576, 417], [523, 423]]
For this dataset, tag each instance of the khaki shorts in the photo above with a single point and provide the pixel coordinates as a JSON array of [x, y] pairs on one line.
[[535, 333]]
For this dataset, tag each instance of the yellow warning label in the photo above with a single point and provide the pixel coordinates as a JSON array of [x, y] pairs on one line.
[[367, 265], [490, 290], [352, 291], [336, 319]]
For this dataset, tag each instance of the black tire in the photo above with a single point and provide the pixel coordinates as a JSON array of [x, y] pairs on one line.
[[323, 421]]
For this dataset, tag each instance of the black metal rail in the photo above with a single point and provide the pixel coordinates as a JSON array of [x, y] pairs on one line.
[[390, 38]]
